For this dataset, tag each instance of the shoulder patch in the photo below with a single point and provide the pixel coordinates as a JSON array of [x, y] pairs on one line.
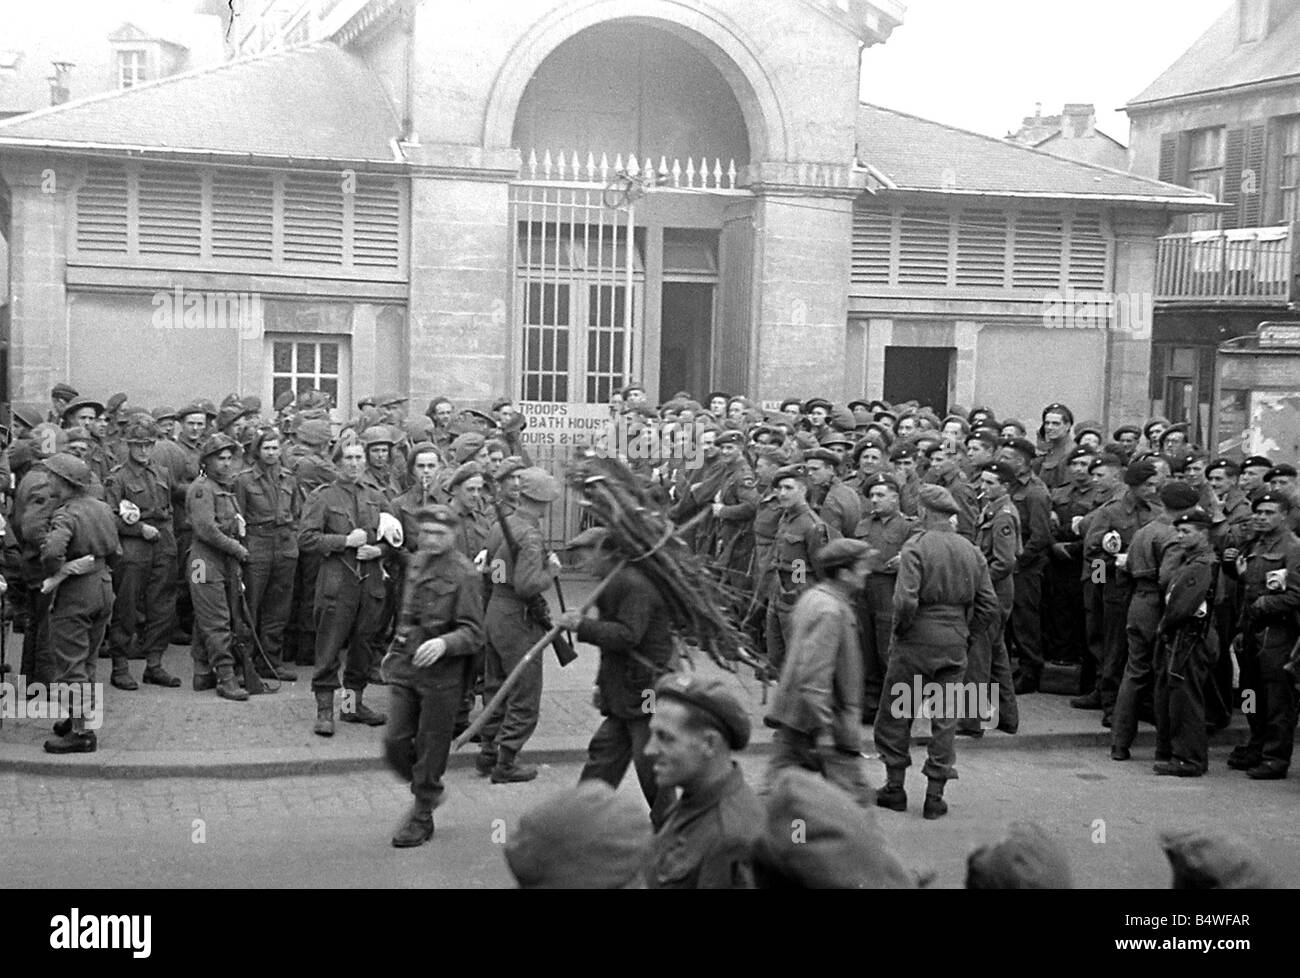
[[1006, 530]]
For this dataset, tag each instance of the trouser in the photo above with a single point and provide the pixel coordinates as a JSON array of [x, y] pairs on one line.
[[184, 606], [845, 769], [418, 738], [79, 616], [302, 618], [620, 741], [1272, 728], [876, 622], [387, 615], [1182, 666], [268, 588], [1139, 671], [145, 603], [987, 662], [1094, 626], [1026, 632], [216, 626], [346, 615], [38, 663], [893, 734], [780, 611], [1114, 647], [1219, 700], [1064, 635], [511, 633]]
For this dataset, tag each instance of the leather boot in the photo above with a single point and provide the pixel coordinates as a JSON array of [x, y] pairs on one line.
[[892, 795], [360, 713], [158, 676], [324, 725], [228, 687], [416, 832], [485, 763], [935, 806], [77, 740], [508, 771], [204, 681], [121, 677]]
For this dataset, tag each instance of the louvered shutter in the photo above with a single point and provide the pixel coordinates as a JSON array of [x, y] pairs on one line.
[[170, 211], [101, 210], [1169, 158], [1252, 178], [242, 212], [1234, 159], [982, 249], [872, 232], [376, 219], [1088, 254], [313, 219], [923, 248], [1040, 238]]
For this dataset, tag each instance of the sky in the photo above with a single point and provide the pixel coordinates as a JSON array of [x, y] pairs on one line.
[[982, 64]]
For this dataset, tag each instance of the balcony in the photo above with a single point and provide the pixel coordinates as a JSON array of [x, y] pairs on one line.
[[711, 174], [1242, 267]]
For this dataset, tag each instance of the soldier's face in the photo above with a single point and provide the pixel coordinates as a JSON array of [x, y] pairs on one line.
[[707, 445], [1175, 441], [764, 469], [393, 413], [1267, 517], [83, 418], [510, 486], [1129, 439], [269, 453], [1079, 470], [635, 396], [856, 576], [819, 473], [729, 451], [907, 426], [193, 425], [736, 411], [951, 429], [1190, 536], [1154, 433], [817, 416], [792, 413], [905, 466], [1220, 481], [378, 455], [436, 538], [1253, 477], [221, 465], [717, 406], [884, 501], [494, 461], [1281, 483], [469, 491], [80, 449], [870, 459], [426, 468], [1054, 426], [789, 493], [139, 451], [862, 414], [978, 452], [167, 428], [99, 426], [443, 412], [1106, 476], [991, 487], [679, 754], [1149, 489], [1090, 440], [1196, 472], [353, 461]]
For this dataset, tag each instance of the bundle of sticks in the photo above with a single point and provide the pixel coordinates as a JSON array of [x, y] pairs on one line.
[[697, 600]]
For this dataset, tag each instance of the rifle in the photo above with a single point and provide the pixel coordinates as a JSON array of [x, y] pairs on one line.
[[235, 586], [538, 610]]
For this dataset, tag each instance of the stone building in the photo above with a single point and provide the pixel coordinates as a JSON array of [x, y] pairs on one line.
[[1073, 135], [437, 199]]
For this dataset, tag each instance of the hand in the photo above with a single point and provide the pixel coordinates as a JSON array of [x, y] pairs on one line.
[[357, 538], [149, 532], [567, 620], [368, 551], [1232, 553], [1055, 519], [241, 525], [241, 555], [554, 564], [892, 563], [429, 652], [717, 509], [49, 584], [82, 565], [1121, 561]]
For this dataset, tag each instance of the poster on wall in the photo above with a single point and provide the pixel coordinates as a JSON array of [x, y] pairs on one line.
[[1275, 424]]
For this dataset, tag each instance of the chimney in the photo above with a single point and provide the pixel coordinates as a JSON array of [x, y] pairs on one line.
[[59, 90], [1078, 120]]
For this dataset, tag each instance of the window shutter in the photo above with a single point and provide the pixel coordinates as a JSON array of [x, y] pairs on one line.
[[376, 218], [923, 248], [101, 210], [1169, 158], [171, 211], [1234, 161], [982, 249], [242, 211], [1040, 242], [1252, 178], [1088, 254], [313, 219], [871, 241]]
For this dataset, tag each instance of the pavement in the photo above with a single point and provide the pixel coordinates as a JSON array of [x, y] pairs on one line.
[[167, 733]]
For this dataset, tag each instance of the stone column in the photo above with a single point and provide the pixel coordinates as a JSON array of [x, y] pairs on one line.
[[880, 334], [966, 338], [1129, 361]]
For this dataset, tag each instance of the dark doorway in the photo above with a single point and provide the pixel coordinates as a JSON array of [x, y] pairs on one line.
[[918, 373], [686, 335]]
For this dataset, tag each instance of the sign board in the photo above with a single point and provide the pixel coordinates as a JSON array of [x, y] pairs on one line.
[[1280, 334], [563, 424]]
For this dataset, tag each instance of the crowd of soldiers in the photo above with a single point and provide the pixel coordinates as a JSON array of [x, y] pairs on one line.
[[871, 543]]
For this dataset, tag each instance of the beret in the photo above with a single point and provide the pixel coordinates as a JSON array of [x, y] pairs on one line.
[[844, 552], [1146, 428], [884, 413], [438, 514], [1282, 469], [937, 499], [70, 469], [820, 402], [210, 409], [1013, 423], [313, 432], [773, 453], [466, 446], [709, 695], [730, 438], [1055, 408], [792, 400], [1138, 472], [1272, 497], [1026, 859], [1226, 464], [1002, 470], [83, 402], [538, 485], [1022, 445], [823, 455], [1126, 428], [463, 473], [367, 401], [880, 479], [1083, 427], [383, 400], [1178, 495], [596, 537], [842, 419], [510, 465], [984, 435], [28, 414], [115, 402], [902, 450], [194, 407], [1257, 461], [1205, 861], [1079, 453], [1105, 458], [1182, 426], [284, 400], [64, 392], [836, 437], [1196, 517], [790, 472], [860, 403], [585, 837], [841, 845]]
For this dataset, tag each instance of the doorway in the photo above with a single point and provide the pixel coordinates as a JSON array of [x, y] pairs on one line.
[[686, 339], [919, 373]]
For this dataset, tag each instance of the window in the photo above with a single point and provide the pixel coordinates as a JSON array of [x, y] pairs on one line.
[[1288, 182], [131, 68], [1205, 172], [546, 342], [307, 363]]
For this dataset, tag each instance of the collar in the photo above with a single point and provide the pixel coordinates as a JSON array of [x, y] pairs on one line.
[[706, 797]]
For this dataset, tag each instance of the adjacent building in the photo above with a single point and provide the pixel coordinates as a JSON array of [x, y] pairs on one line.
[[1072, 135]]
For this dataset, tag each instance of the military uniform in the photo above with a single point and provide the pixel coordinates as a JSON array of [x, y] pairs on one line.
[[733, 524], [1064, 633], [1185, 651], [180, 459], [145, 578], [472, 530], [838, 506], [997, 536], [767, 517], [886, 536], [310, 471], [214, 576], [1026, 632], [37, 498], [268, 497], [799, 535]]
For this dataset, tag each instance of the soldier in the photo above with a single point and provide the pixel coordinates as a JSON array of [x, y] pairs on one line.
[[441, 411], [180, 458], [767, 516], [215, 555], [438, 633], [708, 839], [378, 442], [1150, 554], [1063, 621], [1053, 466], [884, 529], [998, 537], [1035, 506], [517, 578], [425, 470], [1186, 649], [799, 535], [61, 395], [77, 552], [139, 493], [836, 504], [268, 497], [307, 461], [1231, 519], [1106, 471], [466, 490], [817, 708], [943, 593], [633, 631], [39, 495], [735, 502], [341, 522], [1270, 572]]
